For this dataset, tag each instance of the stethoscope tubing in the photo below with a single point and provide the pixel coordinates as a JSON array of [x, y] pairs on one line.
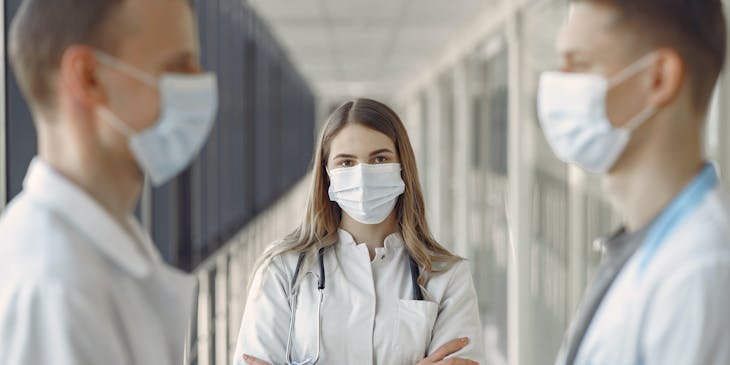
[[417, 295]]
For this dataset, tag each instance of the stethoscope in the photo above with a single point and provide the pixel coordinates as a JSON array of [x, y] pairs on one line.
[[417, 295]]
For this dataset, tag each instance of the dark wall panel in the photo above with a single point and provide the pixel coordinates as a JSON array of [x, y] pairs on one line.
[[263, 139], [212, 60], [21, 137], [264, 164]]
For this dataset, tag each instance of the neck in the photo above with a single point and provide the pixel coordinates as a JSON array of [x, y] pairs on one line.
[[90, 168], [373, 235], [642, 185]]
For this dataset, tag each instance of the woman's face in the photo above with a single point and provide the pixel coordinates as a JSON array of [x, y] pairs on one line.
[[356, 144]]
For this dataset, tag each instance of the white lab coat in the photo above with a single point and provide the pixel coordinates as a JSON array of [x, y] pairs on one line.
[[76, 289], [669, 305], [368, 313]]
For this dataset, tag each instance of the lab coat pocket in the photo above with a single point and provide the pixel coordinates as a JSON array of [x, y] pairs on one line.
[[416, 319]]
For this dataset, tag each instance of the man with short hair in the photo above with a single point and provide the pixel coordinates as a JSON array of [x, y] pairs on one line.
[[117, 95], [629, 103]]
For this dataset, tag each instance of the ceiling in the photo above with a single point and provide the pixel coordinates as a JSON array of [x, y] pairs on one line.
[[371, 48]]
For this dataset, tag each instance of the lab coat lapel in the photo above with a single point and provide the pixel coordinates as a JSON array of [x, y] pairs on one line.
[[172, 293], [174, 298]]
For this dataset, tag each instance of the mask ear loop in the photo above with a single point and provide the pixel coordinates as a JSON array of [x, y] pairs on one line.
[[627, 73], [130, 70], [631, 70], [640, 119], [115, 122]]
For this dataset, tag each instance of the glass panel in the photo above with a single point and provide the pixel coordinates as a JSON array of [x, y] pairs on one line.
[[487, 236], [548, 247]]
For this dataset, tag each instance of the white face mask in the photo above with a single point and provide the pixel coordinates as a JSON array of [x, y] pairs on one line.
[[187, 113], [572, 109], [367, 193]]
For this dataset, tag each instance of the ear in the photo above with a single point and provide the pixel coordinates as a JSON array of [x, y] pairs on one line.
[[668, 75], [78, 76]]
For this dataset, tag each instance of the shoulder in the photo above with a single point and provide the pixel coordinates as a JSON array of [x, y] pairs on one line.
[[456, 276], [692, 301], [699, 244], [70, 322], [711, 221], [694, 266], [25, 218], [704, 275], [57, 302], [284, 263], [450, 270], [715, 208], [279, 258], [275, 265], [38, 247], [459, 269]]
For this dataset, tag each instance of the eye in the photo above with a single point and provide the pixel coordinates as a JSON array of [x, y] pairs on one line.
[[347, 163], [380, 159]]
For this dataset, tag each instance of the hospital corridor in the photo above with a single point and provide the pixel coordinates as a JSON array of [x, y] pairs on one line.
[[521, 194]]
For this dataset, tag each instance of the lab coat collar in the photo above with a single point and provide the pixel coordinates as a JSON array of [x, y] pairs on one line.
[[87, 216], [392, 242], [345, 238]]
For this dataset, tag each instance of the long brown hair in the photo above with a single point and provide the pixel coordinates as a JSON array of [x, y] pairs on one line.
[[322, 220]]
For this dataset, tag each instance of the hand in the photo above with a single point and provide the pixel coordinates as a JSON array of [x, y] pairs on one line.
[[437, 358], [250, 360]]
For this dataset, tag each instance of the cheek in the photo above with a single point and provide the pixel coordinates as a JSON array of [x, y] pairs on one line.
[[139, 108], [624, 102]]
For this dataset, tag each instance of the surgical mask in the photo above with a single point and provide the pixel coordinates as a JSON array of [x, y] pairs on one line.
[[572, 110], [187, 113], [368, 193]]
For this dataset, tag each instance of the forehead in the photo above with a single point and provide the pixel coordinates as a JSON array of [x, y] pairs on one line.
[[359, 139], [157, 27], [591, 29]]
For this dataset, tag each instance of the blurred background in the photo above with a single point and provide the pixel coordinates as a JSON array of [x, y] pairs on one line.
[[461, 73]]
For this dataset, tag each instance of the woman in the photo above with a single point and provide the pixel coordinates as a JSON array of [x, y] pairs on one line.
[[365, 279]]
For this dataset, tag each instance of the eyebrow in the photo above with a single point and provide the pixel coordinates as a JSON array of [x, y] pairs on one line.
[[374, 153], [384, 150]]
